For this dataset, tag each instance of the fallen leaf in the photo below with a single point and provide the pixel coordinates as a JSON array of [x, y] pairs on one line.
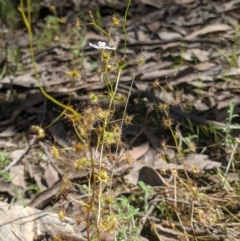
[[167, 232], [162, 73], [43, 198], [36, 172], [8, 132], [238, 61], [200, 161], [201, 55], [50, 175], [204, 66], [139, 151], [16, 153], [26, 80], [209, 29], [181, 2], [154, 26], [201, 106], [143, 37], [148, 160], [153, 3], [17, 175], [169, 35], [6, 144]]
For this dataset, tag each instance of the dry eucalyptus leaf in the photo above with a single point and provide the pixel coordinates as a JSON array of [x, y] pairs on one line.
[[184, 1], [142, 85], [201, 106], [204, 66], [7, 144], [43, 198], [17, 153], [17, 175], [36, 172], [154, 26], [147, 160], [169, 35], [8, 132], [229, 5], [167, 232], [201, 55], [162, 73], [201, 161], [50, 175], [139, 151], [143, 37], [232, 72], [26, 80], [209, 29], [153, 3]]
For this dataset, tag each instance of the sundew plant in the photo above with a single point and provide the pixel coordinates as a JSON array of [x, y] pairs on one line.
[[98, 207]]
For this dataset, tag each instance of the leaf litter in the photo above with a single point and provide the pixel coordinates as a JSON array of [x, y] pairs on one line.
[[189, 47]]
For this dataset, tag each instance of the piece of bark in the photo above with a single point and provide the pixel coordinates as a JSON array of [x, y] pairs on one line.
[[28, 224]]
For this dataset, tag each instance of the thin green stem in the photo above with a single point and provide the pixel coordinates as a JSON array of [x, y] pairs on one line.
[[124, 26], [29, 30], [103, 31], [125, 108]]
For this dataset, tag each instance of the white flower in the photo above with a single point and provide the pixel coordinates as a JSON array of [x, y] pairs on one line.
[[101, 45]]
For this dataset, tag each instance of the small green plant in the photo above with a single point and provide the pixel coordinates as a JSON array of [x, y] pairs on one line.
[[18, 192], [51, 32], [227, 130], [229, 140], [148, 191], [33, 188], [8, 14], [126, 213], [232, 59], [14, 55], [4, 160]]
